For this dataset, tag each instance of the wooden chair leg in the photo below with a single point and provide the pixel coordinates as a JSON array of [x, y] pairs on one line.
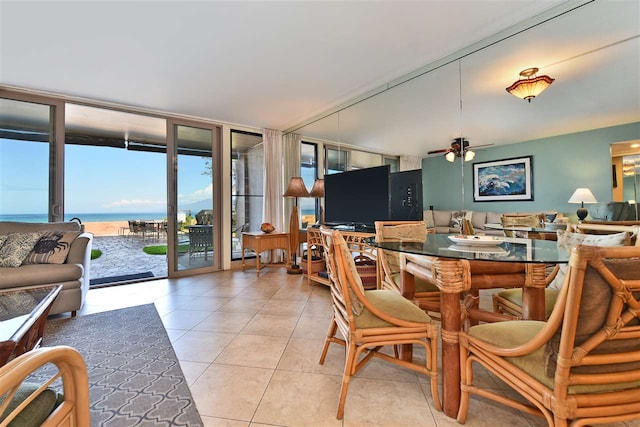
[[346, 378], [332, 331]]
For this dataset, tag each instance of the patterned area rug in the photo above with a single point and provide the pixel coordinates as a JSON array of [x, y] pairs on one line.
[[134, 376]]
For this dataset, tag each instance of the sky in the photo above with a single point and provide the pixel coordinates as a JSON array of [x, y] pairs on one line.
[[97, 179]]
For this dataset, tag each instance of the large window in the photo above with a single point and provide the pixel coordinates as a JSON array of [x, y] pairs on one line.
[[247, 166], [341, 160]]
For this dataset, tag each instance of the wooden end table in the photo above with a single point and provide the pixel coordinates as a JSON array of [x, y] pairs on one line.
[[260, 242], [23, 313]]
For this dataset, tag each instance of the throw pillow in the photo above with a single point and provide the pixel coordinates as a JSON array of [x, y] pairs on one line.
[[16, 248], [52, 248], [3, 238], [456, 219], [568, 240]]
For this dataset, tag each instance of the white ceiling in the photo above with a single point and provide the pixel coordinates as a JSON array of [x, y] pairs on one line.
[[270, 64]]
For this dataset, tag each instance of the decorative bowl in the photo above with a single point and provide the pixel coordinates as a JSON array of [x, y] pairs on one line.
[[265, 227]]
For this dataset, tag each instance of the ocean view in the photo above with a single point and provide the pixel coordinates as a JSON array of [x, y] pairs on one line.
[[88, 217]]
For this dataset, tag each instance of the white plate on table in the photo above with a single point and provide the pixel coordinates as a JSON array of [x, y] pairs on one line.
[[476, 240]]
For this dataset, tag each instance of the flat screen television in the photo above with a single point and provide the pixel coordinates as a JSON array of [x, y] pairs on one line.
[[406, 195], [358, 197]]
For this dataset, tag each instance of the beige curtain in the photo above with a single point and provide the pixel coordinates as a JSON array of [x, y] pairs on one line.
[[408, 163], [291, 168], [273, 206]]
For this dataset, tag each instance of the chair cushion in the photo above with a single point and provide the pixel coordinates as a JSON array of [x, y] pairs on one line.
[[515, 333], [515, 296], [52, 248], [37, 411], [393, 304], [16, 247], [421, 285], [594, 307]]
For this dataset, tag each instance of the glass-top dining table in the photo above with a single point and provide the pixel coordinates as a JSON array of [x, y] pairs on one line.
[[459, 264]]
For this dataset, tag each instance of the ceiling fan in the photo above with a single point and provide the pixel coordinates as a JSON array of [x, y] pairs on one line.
[[458, 148]]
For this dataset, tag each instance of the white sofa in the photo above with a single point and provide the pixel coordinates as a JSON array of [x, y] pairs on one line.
[[448, 222], [73, 274]]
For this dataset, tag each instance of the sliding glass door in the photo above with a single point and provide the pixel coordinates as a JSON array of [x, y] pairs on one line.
[[194, 198], [31, 153]]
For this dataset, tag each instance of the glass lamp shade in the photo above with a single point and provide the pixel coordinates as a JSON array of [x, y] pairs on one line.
[[296, 188], [318, 188], [469, 155], [530, 86], [450, 156]]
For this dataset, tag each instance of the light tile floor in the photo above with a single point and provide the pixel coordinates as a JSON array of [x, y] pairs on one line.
[[249, 349]]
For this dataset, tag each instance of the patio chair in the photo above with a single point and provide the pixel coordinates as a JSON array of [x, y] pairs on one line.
[[370, 320], [200, 240], [582, 366]]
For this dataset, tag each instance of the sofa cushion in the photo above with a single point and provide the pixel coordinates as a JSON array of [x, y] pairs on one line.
[[39, 274], [52, 248], [478, 220], [16, 247], [442, 218], [493, 218]]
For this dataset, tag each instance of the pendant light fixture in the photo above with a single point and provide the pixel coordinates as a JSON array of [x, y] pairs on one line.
[[530, 85]]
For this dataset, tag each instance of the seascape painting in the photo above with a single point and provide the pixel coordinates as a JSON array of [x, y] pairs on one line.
[[503, 180]]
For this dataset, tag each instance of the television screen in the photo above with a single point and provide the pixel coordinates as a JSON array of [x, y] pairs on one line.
[[357, 197], [406, 195]]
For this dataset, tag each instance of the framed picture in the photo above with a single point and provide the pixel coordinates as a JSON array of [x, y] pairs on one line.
[[503, 180]]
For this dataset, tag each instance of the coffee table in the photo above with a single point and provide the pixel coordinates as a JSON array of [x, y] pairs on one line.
[[23, 313]]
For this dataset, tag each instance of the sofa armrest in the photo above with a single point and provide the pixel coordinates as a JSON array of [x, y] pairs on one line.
[[80, 253]]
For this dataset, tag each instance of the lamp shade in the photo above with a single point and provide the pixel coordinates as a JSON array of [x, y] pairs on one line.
[[296, 188], [530, 85], [450, 156], [469, 155], [582, 195], [318, 188]]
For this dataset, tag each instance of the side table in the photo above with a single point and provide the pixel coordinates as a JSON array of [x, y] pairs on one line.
[[260, 242]]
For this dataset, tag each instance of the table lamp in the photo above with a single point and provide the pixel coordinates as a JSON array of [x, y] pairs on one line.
[[317, 191], [582, 196], [295, 189]]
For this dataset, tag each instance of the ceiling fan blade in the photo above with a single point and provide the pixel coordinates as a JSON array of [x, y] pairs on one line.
[[444, 150], [479, 146]]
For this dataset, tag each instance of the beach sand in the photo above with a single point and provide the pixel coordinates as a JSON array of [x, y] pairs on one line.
[[111, 228]]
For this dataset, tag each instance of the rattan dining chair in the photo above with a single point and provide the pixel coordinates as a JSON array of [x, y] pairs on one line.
[[509, 301], [31, 403], [582, 366], [366, 321], [427, 293]]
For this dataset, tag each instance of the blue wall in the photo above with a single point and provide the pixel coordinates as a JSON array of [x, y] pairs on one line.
[[560, 165]]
